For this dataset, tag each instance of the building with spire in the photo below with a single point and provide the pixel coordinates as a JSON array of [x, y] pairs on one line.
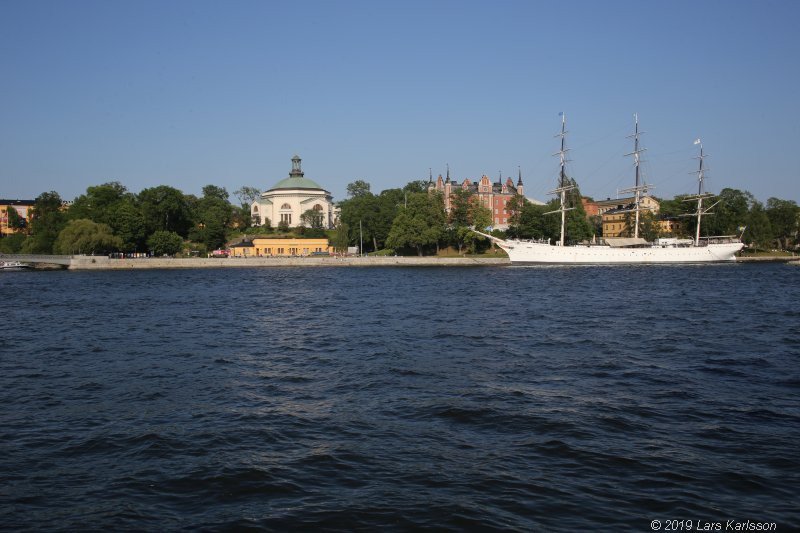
[[288, 199], [494, 196]]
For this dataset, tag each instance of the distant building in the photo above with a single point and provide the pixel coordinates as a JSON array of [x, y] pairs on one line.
[[616, 214], [276, 247], [288, 199], [23, 209], [590, 207], [493, 196]]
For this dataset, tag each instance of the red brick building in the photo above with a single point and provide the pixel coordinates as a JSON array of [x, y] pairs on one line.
[[492, 195]]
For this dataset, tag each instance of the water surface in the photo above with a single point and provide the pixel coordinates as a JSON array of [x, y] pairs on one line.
[[502, 398]]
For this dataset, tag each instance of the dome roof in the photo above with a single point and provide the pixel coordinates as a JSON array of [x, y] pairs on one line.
[[296, 183], [296, 180]]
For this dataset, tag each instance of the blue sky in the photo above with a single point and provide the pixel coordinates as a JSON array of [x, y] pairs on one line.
[[189, 93]]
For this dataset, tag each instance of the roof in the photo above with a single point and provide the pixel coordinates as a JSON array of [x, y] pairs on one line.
[[296, 183], [625, 241], [17, 202]]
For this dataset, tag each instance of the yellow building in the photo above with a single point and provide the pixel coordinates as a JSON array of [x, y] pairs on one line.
[[23, 209], [616, 213], [276, 247]]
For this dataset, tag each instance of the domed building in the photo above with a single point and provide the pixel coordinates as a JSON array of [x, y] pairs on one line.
[[288, 199]]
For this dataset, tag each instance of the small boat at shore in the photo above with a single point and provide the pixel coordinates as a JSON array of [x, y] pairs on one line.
[[13, 265], [630, 250]]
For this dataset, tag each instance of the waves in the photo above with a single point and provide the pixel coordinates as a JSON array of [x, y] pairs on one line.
[[393, 399]]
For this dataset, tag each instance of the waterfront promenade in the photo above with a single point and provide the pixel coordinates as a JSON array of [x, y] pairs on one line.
[[89, 262]]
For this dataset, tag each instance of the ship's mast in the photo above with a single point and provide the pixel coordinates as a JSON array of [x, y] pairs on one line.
[[639, 188], [563, 180], [701, 193]]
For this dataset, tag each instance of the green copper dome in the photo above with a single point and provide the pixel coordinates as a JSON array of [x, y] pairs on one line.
[[296, 183], [296, 179]]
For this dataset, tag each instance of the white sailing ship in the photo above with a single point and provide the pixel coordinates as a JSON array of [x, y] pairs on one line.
[[632, 250]]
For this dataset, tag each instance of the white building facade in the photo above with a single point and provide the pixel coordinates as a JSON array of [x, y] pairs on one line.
[[288, 199]]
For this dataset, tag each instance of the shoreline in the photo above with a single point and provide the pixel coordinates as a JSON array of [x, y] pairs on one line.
[[150, 263], [104, 263]]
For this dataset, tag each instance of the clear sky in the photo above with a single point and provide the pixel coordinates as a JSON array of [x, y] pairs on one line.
[[190, 93]]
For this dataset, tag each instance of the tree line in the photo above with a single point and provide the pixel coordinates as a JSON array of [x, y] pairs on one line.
[[413, 220], [109, 218], [408, 220]]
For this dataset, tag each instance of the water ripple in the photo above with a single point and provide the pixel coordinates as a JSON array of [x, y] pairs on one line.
[[487, 399]]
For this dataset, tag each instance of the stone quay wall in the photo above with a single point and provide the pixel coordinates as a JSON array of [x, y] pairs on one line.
[[104, 263]]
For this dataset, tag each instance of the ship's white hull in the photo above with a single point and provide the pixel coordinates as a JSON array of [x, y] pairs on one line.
[[524, 252]]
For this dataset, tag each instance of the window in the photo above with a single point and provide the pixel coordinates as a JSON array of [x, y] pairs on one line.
[[317, 207], [286, 206]]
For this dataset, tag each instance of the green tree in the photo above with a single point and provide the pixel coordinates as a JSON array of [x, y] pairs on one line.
[[676, 207], [416, 186], [759, 229], [311, 224], [311, 218], [357, 188], [242, 218], [247, 195], [12, 244], [479, 217], [649, 228], [47, 220], [730, 212], [165, 208], [128, 224], [112, 204], [14, 220], [529, 221], [514, 207], [461, 201], [341, 237], [99, 203], [784, 216], [364, 212], [82, 236], [420, 224], [465, 213], [214, 191], [165, 243], [211, 214]]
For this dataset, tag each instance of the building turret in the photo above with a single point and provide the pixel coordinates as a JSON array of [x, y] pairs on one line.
[[296, 172], [520, 188]]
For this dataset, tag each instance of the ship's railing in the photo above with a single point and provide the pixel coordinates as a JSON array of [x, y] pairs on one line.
[[534, 241], [719, 239]]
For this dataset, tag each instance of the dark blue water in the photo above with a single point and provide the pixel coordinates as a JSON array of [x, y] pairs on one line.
[[391, 399]]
